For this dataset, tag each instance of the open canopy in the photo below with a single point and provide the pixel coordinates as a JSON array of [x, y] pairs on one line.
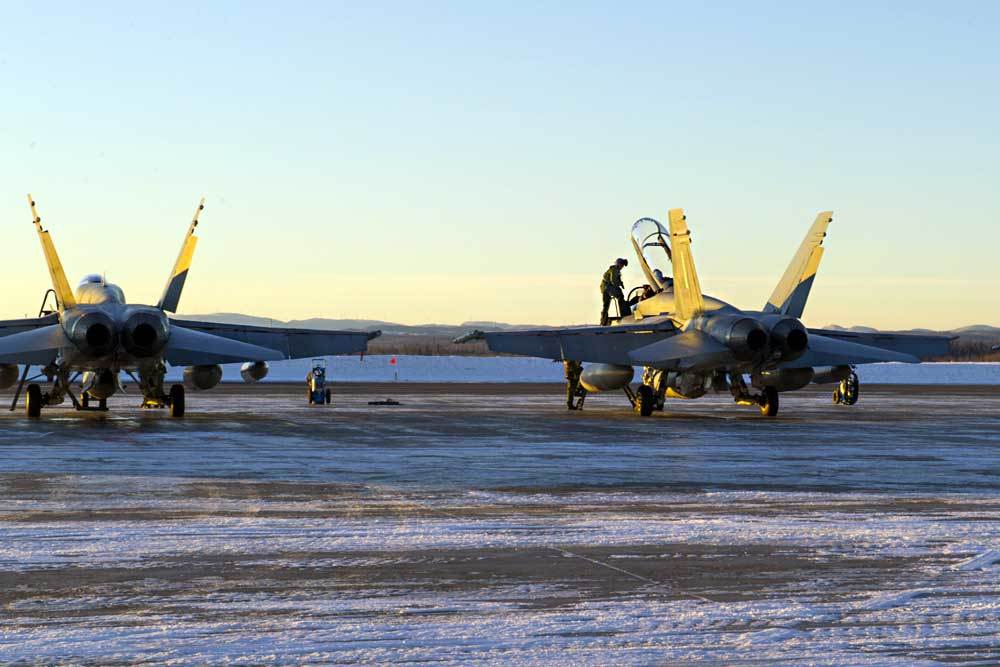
[[651, 241]]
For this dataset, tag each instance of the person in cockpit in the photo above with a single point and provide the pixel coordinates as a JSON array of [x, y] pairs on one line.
[[665, 281]]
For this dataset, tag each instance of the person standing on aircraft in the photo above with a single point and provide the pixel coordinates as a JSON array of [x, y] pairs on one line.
[[611, 288]]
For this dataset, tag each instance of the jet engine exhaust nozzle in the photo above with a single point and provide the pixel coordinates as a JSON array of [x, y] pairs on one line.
[[789, 339], [93, 333], [145, 333], [745, 336]]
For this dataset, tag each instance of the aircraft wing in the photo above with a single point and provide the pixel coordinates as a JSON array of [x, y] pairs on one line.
[[606, 345], [289, 343], [824, 351], [917, 345], [32, 341], [9, 327]]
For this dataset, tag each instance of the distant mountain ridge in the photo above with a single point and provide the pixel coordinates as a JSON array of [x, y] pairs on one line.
[[431, 329], [394, 328], [970, 331]]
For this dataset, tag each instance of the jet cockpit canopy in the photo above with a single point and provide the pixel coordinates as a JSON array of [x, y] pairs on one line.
[[94, 289], [91, 278], [651, 241]]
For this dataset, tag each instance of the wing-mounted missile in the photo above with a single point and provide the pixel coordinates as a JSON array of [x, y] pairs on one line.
[[64, 295], [178, 275]]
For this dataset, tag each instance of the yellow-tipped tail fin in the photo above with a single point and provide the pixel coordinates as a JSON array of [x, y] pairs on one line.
[[175, 284], [64, 295], [688, 300], [792, 291]]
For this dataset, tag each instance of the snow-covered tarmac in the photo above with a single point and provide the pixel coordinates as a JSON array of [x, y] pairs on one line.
[[495, 527], [413, 368]]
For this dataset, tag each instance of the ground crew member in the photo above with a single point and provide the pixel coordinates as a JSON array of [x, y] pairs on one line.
[[611, 288], [573, 370]]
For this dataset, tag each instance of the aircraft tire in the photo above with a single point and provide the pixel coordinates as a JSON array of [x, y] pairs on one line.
[[852, 388], [327, 396], [177, 400], [33, 401], [85, 401], [646, 400], [102, 404], [769, 408]]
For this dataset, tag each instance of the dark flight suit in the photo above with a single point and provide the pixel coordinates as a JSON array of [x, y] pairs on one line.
[[573, 370], [611, 288]]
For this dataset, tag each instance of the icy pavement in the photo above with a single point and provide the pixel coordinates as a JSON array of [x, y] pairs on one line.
[[498, 529]]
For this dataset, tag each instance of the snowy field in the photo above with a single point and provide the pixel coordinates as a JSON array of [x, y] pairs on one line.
[[518, 369], [498, 528]]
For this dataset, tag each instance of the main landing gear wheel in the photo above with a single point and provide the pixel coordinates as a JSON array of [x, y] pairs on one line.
[[769, 402], [849, 390], [327, 397], [33, 401], [177, 400], [645, 400]]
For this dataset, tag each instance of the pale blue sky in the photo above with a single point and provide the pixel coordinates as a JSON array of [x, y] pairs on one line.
[[455, 161]]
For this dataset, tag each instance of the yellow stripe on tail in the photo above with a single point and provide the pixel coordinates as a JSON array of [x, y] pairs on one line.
[[175, 284]]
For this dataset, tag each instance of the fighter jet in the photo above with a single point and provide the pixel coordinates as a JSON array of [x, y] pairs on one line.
[[689, 343], [92, 335]]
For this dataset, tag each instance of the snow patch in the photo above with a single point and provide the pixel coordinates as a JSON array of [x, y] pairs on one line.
[[979, 562]]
